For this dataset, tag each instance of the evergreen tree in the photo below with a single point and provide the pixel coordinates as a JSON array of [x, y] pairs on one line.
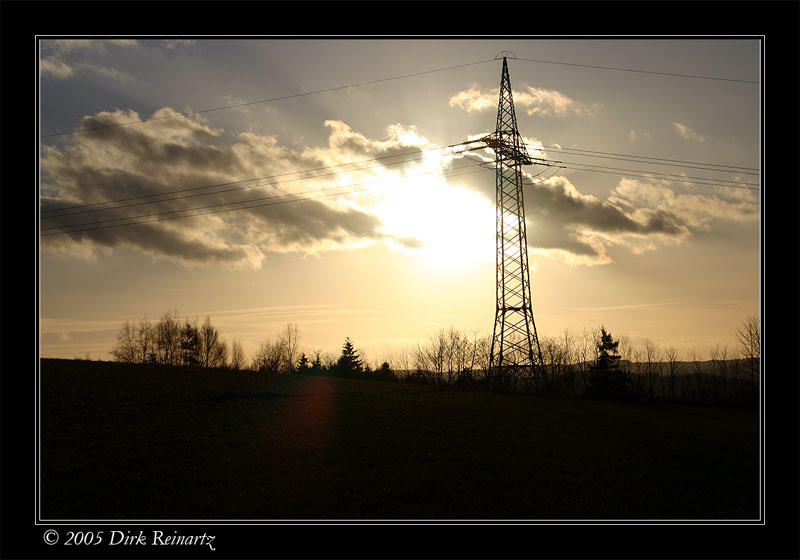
[[190, 344], [349, 362], [303, 365], [385, 371], [606, 378], [316, 365]]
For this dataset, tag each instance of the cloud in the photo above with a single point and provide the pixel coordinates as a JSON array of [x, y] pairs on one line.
[[241, 105], [638, 215], [175, 43], [566, 225], [253, 173], [408, 242], [578, 229], [696, 211], [536, 101], [59, 57], [67, 45], [52, 66], [57, 68], [279, 204], [687, 133], [549, 102], [475, 100], [124, 42], [638, 135]]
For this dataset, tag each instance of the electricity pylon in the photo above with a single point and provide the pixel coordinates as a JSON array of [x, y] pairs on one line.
[[516, 358]]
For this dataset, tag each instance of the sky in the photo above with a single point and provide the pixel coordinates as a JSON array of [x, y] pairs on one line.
[[332, 188]]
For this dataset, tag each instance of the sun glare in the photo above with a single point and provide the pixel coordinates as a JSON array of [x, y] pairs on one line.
[[454, 224]]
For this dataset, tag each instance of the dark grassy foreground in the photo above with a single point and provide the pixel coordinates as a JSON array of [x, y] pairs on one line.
[[130, 442]]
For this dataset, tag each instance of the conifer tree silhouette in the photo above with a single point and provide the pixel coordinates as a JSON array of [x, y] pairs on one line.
[[606, 378], [349, 362]]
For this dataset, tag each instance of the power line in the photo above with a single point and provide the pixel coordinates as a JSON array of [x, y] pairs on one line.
[[380, 80], [677, 177], [639, 71], [490, 167], [647, 177], [161, 216], [559, 147], [190, 189], [543, 179], [650, 162], [291, 96], [539, 148], [578, 166], [668, 176]]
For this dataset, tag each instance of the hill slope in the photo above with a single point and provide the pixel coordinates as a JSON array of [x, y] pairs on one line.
[[123, 441]]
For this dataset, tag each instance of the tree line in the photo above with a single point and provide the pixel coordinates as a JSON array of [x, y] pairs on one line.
[[590, 363], [594, 364], [283, 355], [173, 342]]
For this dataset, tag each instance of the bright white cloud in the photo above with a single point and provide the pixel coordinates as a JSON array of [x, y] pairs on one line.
[[549, 102], [474, 99], [687, 133], [535, 100]]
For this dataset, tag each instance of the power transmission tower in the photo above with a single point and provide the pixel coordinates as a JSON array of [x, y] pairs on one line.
[[516, 358]]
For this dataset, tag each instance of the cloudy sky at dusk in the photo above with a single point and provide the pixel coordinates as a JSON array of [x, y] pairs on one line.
[[330, 187]]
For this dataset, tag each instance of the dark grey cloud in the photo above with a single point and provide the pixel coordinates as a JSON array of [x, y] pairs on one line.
[[310, 221], [176, 142], [167, 243], [409, 242], [557, 202], [78, 183], [559, 217]]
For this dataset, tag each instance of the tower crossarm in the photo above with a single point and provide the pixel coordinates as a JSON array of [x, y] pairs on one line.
[[506, 150], [509, 151]]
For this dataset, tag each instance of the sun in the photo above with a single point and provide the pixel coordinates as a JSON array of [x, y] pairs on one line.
[[454, 224]]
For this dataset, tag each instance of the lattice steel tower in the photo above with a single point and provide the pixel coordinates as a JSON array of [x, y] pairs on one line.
[[516, 357]]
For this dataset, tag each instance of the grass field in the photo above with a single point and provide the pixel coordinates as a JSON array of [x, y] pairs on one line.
[[131, 442]]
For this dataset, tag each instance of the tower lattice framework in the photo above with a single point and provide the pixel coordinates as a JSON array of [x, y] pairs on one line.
[[516, 358]]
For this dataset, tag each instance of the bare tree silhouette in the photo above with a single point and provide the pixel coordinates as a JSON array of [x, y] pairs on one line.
[[748, 336], [237, 355]]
